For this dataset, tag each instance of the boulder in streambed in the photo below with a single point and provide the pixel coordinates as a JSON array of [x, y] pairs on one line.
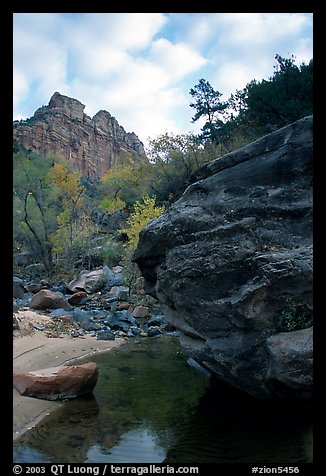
[[57, 383], [46, 299], [231, 264]]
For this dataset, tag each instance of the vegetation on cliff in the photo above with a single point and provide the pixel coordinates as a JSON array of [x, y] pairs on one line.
[[66, 220]]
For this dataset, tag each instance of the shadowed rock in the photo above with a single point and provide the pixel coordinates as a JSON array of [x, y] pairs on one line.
[[57, 383], [233, 254]]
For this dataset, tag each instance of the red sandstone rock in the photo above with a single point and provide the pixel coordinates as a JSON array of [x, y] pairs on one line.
[[57, 383], [46, 299], [75, 299]]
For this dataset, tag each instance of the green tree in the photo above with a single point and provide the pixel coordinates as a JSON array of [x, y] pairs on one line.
[[173, 159], [261, 107], [280, 100], [74, 239], [209, 106], [34, 206]]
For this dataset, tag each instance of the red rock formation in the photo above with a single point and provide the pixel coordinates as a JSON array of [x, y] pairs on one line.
[[90, 144], [57, 383]]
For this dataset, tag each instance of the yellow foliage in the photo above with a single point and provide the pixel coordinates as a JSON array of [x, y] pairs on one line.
[[72, 234], [68, 182], [143, 213], [119, 173]]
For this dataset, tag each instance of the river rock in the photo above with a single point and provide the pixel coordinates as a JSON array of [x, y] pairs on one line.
[[226, 259], [77, 298], [105, 334], [17, 287], [291, 362], [119, 293], [154, 331], [46, 299], [141, 311], [35, 287], [122, 320], [90, 320], [88, 281], [57, 383]]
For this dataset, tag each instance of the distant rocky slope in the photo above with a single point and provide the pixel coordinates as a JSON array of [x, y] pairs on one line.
[[231, 264], [62, 127]]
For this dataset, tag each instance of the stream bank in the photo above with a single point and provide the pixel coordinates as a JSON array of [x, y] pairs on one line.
[[151, 406]]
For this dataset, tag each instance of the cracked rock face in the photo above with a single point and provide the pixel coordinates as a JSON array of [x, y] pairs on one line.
[[233, 256]]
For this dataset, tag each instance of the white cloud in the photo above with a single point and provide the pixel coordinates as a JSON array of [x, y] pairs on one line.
[[126, 31], [40, 63], [20, 91], [96, 63], [102, 44], [50, 49], [140, 66], [139, 90], [303, 50], [177, 60], [135, 31], [241, 47], [229, 78], [264, 28]]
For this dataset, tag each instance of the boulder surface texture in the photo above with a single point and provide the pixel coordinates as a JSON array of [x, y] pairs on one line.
[[231, 264], [57, 383]]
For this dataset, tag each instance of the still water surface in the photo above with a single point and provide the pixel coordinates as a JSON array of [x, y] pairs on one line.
[[150, 406]]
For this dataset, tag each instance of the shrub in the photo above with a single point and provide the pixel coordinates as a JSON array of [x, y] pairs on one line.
[[295, 317]]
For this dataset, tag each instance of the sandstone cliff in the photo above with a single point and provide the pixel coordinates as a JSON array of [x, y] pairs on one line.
[[231, 264], [62, 127]]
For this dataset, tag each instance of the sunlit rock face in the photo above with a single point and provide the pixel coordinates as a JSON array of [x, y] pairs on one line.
[[231, 264], [90, 144]]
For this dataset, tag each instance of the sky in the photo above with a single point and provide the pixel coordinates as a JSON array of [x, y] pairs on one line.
[[141, 66]]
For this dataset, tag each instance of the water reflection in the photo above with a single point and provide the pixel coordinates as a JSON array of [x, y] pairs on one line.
[[127, 450], [150, 406]]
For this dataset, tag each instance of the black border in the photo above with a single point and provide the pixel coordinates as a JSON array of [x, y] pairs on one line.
[[7, 12]]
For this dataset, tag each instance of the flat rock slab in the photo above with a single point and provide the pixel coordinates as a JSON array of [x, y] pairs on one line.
[[57, 383]]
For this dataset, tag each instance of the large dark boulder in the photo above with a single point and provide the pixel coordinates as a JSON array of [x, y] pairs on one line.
[[232, 258]]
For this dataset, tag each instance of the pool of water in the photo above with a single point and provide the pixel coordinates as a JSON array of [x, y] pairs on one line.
[[150, 406]]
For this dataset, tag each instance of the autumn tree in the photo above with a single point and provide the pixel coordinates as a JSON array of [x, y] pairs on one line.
[[124, 183], [144, 211], [75, 229]]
